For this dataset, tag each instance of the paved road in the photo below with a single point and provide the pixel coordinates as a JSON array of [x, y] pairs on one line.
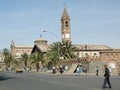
[[42, 81]]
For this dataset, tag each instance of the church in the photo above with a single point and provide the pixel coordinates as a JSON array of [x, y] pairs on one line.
[[90, 55]]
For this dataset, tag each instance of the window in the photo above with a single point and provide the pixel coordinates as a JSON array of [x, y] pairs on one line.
[[66, 24], [94, 54], [16, 50], [86, 55], [67, 35]]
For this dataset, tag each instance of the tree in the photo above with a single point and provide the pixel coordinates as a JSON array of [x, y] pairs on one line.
[[67, 52], [53, 53], [36, 58], [6, 52], [8, 58], [25, 58], [61, 49]]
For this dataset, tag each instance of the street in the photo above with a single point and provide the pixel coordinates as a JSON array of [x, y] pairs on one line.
[[45, 81]]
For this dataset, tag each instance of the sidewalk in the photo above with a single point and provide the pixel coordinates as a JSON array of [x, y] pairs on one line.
[[49, 72]]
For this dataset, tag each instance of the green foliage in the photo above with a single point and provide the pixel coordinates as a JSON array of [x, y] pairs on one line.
[[60, 49], [36, 58], [53, 53], [67, 52], [6, 52], [10, 60], [25, 58]]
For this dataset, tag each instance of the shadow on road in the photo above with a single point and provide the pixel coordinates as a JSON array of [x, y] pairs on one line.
[[2, 78]]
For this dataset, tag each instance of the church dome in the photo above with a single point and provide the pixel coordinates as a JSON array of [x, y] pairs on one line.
[[40, 40]]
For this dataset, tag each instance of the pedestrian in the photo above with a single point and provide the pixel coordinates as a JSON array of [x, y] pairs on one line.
[[78, 70], [66, 68], [54, 69], [30, 68], [97, 70], [85, 71], [107, 77], [61, 69]]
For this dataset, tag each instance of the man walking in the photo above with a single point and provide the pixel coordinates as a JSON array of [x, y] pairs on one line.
[[106, 75]]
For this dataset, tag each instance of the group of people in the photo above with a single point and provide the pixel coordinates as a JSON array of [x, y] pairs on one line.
[[79, 70], [97, 70], [59, 69]]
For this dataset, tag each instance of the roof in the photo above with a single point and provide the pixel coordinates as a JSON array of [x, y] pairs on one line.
[[23, 46], [40, 39], [111, 51], [43, 47], [92, 47], [65, 14], [40, 47]]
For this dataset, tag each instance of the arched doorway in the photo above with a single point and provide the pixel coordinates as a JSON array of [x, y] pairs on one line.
[[112, 63]]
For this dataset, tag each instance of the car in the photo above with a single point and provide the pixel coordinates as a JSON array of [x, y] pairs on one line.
[[19, 71]]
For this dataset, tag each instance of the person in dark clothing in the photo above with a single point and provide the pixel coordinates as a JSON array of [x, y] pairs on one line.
[[97, 70], [106, 75], [61, 69]]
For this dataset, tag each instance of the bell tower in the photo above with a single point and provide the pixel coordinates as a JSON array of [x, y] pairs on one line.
[[12, 48], [65, 26]]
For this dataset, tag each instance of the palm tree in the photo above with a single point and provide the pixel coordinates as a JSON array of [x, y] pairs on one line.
[[5, 52], [10, 60], [52, 57], [25, 58], [68, 52], [36, 58], [53, 53]]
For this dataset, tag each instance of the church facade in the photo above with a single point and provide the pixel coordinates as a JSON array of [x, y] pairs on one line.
[[17, 50], [89, 55], [92, 55]]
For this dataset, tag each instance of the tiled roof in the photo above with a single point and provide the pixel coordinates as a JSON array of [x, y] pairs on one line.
[[92, 47], [43, 47]]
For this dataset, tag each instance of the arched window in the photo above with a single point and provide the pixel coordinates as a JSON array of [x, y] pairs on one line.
[[16, 50], [66, 24], [94, 55], [86, 55]]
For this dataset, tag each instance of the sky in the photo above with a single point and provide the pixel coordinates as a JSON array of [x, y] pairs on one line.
[[95, 22]]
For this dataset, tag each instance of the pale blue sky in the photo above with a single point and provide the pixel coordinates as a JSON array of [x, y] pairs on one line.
[[92, 21]]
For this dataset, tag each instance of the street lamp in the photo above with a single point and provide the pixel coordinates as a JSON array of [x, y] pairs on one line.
[[57, 40], [52, 34]]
